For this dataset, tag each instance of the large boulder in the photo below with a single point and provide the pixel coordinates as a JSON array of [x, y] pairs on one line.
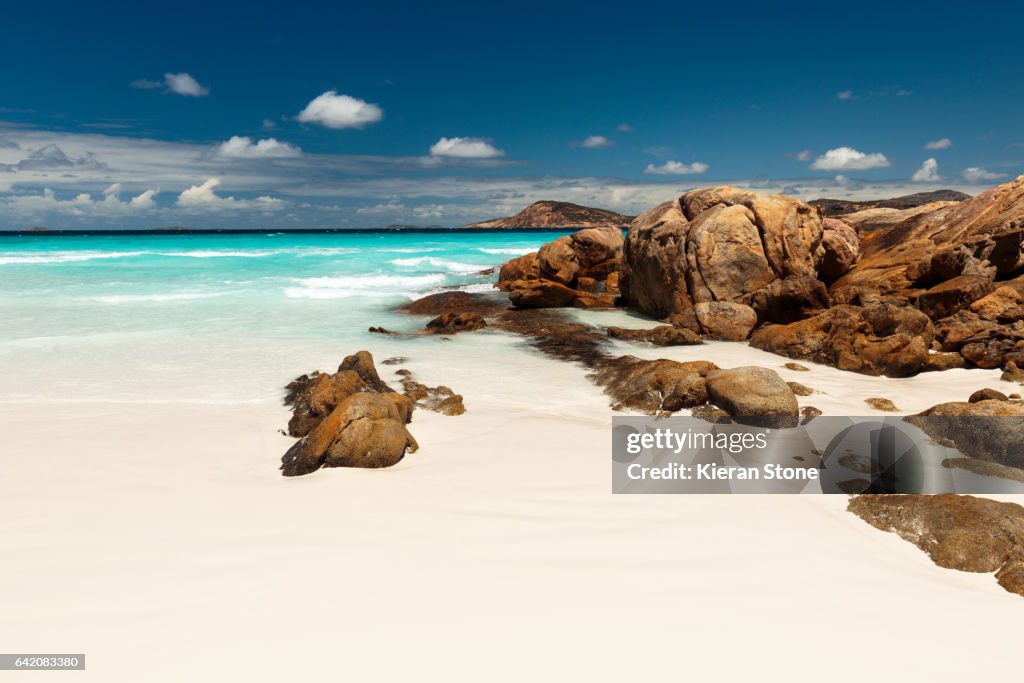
[[958, 532], [525, 267], [751, 392], [716, 244], [946, 298], [789, 300], [840, 249], [590, 253], [878, 340], [544, 293], [365, 430], [724, 320]]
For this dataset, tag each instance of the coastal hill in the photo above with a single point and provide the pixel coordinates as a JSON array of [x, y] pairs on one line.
[[550, 214], [839, 207]]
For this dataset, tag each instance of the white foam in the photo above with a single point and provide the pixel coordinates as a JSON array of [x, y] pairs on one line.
[[455, 267], [153, 298], [511, 251], [15, 258]]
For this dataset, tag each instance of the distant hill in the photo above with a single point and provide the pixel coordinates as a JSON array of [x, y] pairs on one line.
[[838, 207], [549, 214]]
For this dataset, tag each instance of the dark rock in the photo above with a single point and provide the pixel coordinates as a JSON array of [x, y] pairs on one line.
[[946, 360], [991, 430], [381, 330], [840, 249], [394, 360], [453, 323], [796, 367], [455, 302], [789, 300], [663, 335], [987, 395], [947, 298]]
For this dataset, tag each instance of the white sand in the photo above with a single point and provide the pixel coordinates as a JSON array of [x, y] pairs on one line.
[[159, 539]]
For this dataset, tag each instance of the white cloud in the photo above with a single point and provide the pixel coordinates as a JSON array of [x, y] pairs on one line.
[[976, 174], [184, 84], [465, 148], [80, 205], [340, 111], [941, 143], [928, 173], [596, 141], [845, 95], [624, 128], [849, 159], [179, 84], [803, 155], [203, 197], [676, 168], [244, 148]]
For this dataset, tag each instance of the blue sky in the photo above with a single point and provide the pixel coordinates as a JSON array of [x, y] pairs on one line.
[[211, 115]]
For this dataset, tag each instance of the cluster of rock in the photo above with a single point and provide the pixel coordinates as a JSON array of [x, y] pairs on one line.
[[352, 418], [575, 270], [931, 287]]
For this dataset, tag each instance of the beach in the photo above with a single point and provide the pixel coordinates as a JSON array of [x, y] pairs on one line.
[[145, 522]]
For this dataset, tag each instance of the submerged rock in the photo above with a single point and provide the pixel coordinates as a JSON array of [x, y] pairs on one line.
[[453, 323], [653, 386], [455, 302], [957, 532]]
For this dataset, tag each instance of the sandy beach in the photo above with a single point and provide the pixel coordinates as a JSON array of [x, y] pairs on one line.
[[160, 539]]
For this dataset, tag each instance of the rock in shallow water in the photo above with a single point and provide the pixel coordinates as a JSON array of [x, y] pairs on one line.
[[663, 335], [958, 532]]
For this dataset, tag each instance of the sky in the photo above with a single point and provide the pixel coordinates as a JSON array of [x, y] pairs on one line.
[[308, 115]]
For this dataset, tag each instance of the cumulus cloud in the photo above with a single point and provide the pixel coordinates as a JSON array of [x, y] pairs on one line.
[[82, 204], [179, 84], [941, 143], [203, 197], [849, 159], [976, 174], [465, 148], [676, 168], [596, 141], [244, 148], [52, 158], [340, 111], [928, 173]]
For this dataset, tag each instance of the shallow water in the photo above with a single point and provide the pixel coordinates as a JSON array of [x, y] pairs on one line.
[[217, 318]]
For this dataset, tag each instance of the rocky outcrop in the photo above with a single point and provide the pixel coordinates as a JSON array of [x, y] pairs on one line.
[[878, 340], [751, 392], [455, 302], [841, 207], [550, 214], [957, 532], [988, 228], [653, 386], [693, 249], [789, 300], [990, 430], [569, 271], [663, 335], [348, 419]]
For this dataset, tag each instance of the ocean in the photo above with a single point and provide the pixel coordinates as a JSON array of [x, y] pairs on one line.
[[219, 318]]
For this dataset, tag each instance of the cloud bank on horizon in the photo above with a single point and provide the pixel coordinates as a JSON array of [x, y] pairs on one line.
[[446, 127]]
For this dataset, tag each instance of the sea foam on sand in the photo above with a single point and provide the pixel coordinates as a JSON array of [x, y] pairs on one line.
[[162, 542]]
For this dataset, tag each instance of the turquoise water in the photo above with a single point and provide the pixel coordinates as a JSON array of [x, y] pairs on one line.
[[112, 315]]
